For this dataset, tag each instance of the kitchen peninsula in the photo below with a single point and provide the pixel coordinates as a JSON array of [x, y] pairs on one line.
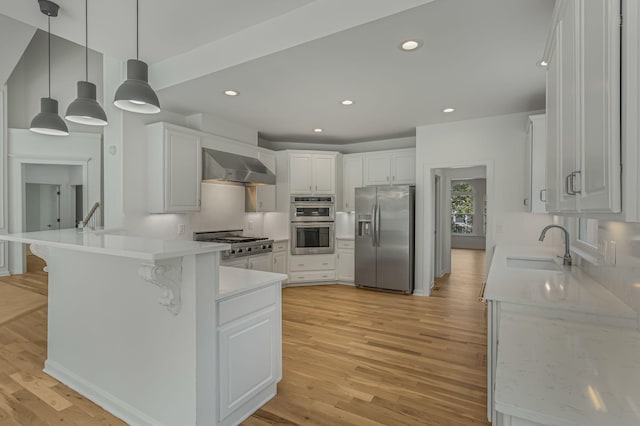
[[155, 331]]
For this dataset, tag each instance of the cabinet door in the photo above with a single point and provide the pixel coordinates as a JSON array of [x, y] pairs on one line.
[[183, 171], [235, 263], [346, 265], [528, 159], [569, 98], [266, 194], [403, 167], [324, 174], [600, 70], [300, 174], [352, 179], [538, 142], [248, 350], [377, 169], [553, 181], [280, 263], [260, 263]]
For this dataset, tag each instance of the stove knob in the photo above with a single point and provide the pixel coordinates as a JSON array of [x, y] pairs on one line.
[[239, 250], [232, 251], [248, 248], [263, 247], [269, 246]]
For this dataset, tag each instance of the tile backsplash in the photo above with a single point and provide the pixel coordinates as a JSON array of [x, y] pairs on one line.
[[620, 271]]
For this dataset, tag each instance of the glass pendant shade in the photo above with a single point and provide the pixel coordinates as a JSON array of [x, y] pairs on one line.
[[135, 94], [86, 109], [48, 122]]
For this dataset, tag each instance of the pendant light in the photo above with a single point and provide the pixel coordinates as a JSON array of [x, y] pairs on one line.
[[48, 122], [86, 109], [135, 94]]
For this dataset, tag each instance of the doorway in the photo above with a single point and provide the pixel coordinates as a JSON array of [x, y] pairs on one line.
[[460, 221]]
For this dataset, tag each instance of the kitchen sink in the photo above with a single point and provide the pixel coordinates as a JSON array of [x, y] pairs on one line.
[[545, 264]]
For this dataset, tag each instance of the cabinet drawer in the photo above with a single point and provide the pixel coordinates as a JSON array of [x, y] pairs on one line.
[[242, 305], [314, 262], [280, 246], [311, 276], [346, 244]]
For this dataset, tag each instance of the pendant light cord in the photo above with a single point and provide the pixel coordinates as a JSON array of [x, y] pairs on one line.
[[49, 51], [137, 30], [86, 39]]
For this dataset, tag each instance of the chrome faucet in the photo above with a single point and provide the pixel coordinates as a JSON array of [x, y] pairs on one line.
[[566, 260]]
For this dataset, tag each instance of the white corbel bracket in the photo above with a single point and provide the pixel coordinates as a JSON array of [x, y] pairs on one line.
[[42, 252], [166, 274]]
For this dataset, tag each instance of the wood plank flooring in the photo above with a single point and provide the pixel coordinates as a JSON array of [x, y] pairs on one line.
[[351, 357]]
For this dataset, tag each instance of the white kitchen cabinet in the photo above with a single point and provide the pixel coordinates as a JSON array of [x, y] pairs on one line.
[[259, 262], [396, 167], [174, 169], [250, 351], [535, 166], [312, 268], [351, 179], [280, 255], [266, 194], [583, 95], [506, 420], [345, 261], [312, 173]]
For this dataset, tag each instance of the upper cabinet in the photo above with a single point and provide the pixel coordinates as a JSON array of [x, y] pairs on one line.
[[266, 194], [583, 108], [311, 173], [535, 166], [174, 169], [390, 168], [351, 179]]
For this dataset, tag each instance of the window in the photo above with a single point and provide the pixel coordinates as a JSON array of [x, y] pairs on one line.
[[468, 207], [588, 232], [461, 208]]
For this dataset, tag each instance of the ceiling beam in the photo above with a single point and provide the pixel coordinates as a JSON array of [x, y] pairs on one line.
[[302, 25]]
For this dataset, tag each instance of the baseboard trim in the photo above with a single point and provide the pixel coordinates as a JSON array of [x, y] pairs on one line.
[[112, 404]]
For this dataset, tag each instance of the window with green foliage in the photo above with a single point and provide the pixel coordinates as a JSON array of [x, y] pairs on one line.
[[461, 208]]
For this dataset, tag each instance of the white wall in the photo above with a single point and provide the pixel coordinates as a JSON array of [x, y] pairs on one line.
[[219, 126], [496, 142], [28, 82]]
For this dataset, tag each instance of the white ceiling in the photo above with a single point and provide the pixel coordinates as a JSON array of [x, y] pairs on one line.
[[294, 60], [478, 57]]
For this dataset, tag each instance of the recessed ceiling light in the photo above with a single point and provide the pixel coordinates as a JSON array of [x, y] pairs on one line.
[[231, 93], [318, 130], [347, 102], [410, 45], [543, 63], [448, 110]]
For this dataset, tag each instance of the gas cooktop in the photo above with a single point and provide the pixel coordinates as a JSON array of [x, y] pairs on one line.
[[240, 245]]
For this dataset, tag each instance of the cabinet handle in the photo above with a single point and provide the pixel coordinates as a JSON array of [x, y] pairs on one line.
[[573, 182], [394, 178], [300, 264], [309, 187], [260, 204], [526, 202], [543, 191], [275, 260], [338, 255], [316, 187], [567, 185]]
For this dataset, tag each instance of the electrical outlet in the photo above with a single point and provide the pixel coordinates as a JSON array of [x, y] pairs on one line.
[[180, 228], [610, 256]]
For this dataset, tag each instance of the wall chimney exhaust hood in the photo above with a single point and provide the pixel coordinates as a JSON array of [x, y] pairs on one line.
[[224, 167]]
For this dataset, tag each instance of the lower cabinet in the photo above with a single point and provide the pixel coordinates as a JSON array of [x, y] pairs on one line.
[[260, 262], [506, 420], [280, 254], [346, 261], [250, 353], [312, 268]]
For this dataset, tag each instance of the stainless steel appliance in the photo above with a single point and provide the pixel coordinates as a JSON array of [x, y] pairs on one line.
[[240, 244], [312, 209], [312, 237], [227, 167], [384, 240]]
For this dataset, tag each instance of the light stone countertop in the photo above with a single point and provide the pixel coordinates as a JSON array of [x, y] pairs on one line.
[[566, 373], [234, 281], [345, 237], [570, 289], [99, 242]]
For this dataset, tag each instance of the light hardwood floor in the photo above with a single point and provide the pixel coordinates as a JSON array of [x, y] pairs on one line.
[[351, 357]]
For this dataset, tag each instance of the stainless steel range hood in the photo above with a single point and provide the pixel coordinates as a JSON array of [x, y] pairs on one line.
[[220, 166]]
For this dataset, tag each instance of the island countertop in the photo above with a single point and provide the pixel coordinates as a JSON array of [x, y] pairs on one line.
[[234, 281], [568, 288], [99, 242]]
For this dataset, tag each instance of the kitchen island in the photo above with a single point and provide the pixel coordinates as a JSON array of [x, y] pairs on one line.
[[155, 331]]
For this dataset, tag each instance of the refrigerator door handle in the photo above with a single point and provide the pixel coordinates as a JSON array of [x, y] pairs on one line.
[[374, 225], [377, 225]]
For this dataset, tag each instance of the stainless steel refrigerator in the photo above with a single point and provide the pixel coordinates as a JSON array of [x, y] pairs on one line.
[[384, 240]]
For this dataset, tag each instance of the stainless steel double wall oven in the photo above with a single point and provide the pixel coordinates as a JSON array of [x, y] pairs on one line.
[[312, 224]]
